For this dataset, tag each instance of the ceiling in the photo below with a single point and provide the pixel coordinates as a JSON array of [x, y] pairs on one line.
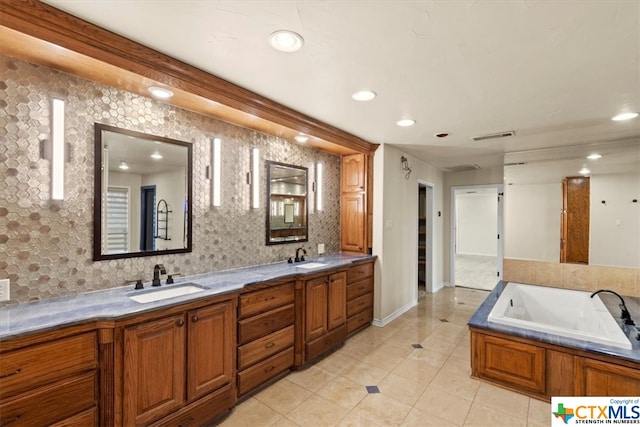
[[553, 72]]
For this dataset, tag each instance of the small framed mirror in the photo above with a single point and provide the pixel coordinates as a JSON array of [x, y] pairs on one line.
[[142, 194], [287, 213]]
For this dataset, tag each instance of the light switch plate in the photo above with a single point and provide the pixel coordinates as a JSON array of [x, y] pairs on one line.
[[320, 248], [4, 290]]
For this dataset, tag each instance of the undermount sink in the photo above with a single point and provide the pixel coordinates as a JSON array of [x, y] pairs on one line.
[[165, 293], [312, 265]]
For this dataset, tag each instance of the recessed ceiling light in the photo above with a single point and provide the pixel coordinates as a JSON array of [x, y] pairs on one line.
[[624, 116], [364, 95], [285, 41], [594, 156], [302, 138], [123, 165], [160, 92], [406, 122], [584, 171], [156, 156]]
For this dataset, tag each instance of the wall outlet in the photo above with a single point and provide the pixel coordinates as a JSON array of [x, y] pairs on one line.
[[4, 290], [320, 248]]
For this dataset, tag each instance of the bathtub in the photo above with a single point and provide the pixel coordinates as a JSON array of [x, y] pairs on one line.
[[561, 312]]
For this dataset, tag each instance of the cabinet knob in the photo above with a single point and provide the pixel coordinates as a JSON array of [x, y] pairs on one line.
[[180, 323], [194, 319]]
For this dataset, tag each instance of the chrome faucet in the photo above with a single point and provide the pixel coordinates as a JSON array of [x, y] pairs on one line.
[[623, 307], [157, 271], [298, 257]]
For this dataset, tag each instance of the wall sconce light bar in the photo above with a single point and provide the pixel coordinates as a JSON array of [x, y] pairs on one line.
[[215, 183], [57, 157], [255, 178], [318, 186]]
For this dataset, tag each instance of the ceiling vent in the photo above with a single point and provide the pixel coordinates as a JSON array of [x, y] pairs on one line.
[[462, 168], [494, 135], [515, 164]]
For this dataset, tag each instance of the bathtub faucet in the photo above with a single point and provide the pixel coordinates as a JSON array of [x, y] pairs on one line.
[[625, 313]]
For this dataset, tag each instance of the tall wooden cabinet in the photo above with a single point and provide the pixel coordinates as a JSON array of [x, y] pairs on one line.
[[574, 240], [355, 203]]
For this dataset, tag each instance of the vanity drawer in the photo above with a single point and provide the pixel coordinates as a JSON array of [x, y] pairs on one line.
[[359, 320], [359, 288], [360, 304], [50, 404], [263, 371], [326, 342], [200, 412], [358, 272], [265, 323], [83, 419], [264, 347], [30, 367], [264, 300]]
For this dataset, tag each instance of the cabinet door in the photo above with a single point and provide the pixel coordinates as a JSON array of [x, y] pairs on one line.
[[353, 173], [316, 308], [154, 365], [337, 304], [210, 349], [352, 215], [595, 378]]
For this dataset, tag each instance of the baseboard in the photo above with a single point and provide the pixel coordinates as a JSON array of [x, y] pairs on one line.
[[399, 312]]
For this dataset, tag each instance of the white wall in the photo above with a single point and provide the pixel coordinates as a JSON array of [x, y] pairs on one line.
[[171, 186], [615, 226], [477, 225], [395, 231], [532, 221]]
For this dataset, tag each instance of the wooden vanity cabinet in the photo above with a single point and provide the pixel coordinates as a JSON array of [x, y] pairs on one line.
[[266, 316], [359, 296], [323, 315], [180, 366], [50, 379]]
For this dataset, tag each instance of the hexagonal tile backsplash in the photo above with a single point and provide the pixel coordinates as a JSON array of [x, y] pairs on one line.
[[46, 246]]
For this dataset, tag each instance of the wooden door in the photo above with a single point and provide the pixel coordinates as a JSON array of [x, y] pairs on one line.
[[154, 369], [352, 215], [337, 304], [595, 378], [316, 308], [574, 243], [353, 173], [209, 351]]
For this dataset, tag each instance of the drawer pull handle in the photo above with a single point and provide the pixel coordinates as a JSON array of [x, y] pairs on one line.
[[10, 421], [270, 345], [361, 303], [180, 323], [10, 374], [269, 369], [270, 298], [194, 319], [269, 322], [361, 287], [188, 423]]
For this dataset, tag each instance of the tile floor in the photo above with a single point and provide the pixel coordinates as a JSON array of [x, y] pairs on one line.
[[476, 271], [428, 386]]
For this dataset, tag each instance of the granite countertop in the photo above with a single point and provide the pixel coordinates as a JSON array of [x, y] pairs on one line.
[[114, 303], [479, 320]]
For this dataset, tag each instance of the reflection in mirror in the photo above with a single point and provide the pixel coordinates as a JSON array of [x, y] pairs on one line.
[[142, 200], [287, 212], [539, 215]]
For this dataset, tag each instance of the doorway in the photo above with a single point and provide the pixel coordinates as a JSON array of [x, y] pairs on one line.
[[425, 238], [147, 217], [476, 244]]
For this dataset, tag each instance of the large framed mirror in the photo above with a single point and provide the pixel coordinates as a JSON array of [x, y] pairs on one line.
[[142, 194], [287, 212], [606, 208]]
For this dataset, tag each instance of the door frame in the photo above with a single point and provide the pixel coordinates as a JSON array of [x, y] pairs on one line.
[[429, 239], [453, 232]]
